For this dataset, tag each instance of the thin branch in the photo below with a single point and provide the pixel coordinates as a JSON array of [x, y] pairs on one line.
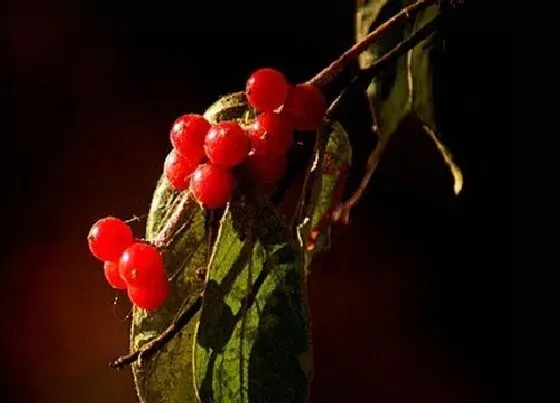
[[337, 66], [342, 212], [156, 344], [329, 73], [366, 75], [136, 218]]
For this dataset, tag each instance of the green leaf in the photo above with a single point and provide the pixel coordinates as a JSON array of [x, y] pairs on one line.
[[229, 107], [329, 178], [252, 342], [389, 92], [167, 376], [406, 87], [421, 67]]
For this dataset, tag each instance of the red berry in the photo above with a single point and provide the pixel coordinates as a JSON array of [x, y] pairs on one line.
[[306, 106], [187, 136], [227, 144], [266, 170], [108, 238], [178, 169], [212, 185], [141, 264], [266, 90], [152, 296], [111, 270], [271, 134]]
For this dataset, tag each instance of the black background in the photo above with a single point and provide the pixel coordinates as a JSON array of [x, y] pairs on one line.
[[412, 303]]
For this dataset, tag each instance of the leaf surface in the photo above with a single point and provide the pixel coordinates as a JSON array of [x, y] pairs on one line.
[[252, 342], [167, 376]]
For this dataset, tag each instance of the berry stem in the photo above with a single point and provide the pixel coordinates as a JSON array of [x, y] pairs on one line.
[[336, 67], [157, 343]]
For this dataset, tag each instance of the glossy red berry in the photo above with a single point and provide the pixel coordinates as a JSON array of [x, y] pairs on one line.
[[111, 271], [141, 264], [227, 144], [108, 238], [306, 106], [187, 136], [266, 170], [271, 134], [152, 296], [212, 185], [266, 90], [178, 170]]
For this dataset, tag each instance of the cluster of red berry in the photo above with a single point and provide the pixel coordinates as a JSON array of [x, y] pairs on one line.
[[129, 264], [203, 159], [204, 155]]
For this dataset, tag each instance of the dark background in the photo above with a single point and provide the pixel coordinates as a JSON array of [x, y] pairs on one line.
[[411, 304]]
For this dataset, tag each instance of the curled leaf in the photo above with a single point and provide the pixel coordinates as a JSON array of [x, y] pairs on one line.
[[448, 159]]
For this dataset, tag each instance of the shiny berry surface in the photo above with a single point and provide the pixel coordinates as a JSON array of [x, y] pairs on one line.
[[266, 89], [108, 238], [150, 297], [227, 144], [178, 170], [141, 264], [306, 106], [212, 185], [187, 136], [266, 170], [111, 271], [271, 135]]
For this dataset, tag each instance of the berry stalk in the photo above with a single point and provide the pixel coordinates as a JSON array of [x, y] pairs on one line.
[[333, 70]]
